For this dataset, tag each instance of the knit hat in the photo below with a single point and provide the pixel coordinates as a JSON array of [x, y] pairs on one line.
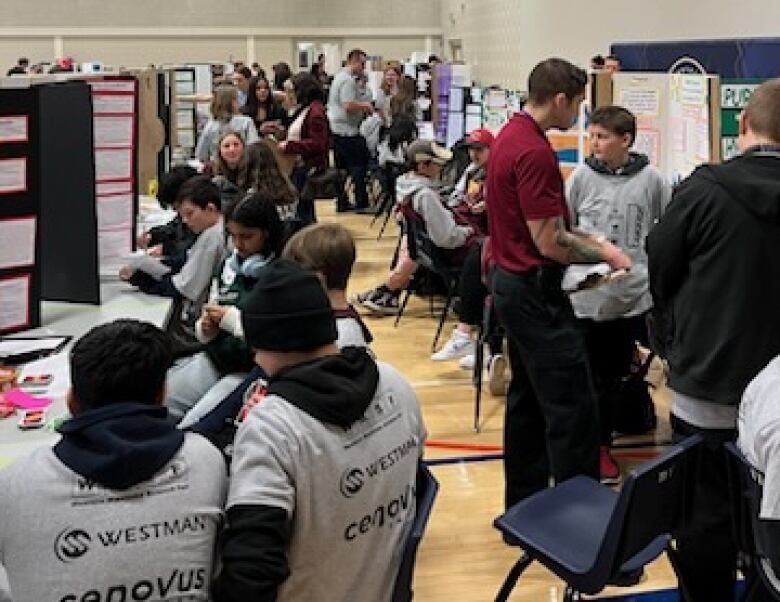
[[421, 151], [288, 310]]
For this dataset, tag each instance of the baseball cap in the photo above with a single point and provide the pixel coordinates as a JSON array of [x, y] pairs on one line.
[[420, 151], [480, 137]]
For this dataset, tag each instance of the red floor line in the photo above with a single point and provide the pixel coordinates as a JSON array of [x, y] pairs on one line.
[[481, 447]]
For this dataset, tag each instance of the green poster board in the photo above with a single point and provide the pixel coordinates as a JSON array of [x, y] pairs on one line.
[[734, 95]]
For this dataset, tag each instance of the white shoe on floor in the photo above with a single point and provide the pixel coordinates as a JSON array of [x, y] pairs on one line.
[[467, 361], [459, 345]]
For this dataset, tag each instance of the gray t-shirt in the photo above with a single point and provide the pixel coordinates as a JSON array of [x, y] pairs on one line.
[[206, 149], [352, 514], [203, 259], [64, 538], [622, 208], [343, 89]]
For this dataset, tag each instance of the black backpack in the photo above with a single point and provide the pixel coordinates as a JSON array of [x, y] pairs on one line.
[[633, 411]]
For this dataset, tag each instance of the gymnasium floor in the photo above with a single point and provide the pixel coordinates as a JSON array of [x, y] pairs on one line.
[[462, 557]]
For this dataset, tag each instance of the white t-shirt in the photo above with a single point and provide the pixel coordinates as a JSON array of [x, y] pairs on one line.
[[350, 493]]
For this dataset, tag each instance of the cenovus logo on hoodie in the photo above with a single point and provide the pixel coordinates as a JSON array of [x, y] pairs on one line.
[[71, 544]]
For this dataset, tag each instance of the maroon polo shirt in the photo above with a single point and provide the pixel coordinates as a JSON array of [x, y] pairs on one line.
[[524, 183]]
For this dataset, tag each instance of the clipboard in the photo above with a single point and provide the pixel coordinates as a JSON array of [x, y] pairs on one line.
[[20, 350]]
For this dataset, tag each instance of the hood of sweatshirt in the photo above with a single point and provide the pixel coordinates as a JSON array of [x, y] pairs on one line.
[[411, 182], [119, 445], [636, 163], [752, 179], [336, 389]]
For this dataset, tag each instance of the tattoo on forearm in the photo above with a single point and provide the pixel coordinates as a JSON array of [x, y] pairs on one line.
[[581, 248]]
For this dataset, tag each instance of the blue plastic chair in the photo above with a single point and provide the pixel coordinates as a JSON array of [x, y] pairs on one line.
[[757, 538], [591, 536], [427, 489]]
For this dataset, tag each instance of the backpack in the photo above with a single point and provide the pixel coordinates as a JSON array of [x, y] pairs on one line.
[[633, 411]]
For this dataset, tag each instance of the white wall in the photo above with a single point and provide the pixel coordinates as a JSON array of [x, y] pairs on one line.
[[504, 39]]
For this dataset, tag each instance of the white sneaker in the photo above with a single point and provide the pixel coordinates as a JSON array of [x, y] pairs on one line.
[[467, 361], [459, 345]]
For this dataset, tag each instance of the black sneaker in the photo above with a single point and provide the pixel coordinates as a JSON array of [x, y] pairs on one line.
[[361, 298], [386, 304]]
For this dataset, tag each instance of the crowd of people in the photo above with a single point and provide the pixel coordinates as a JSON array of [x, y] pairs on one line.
[[267, 362]]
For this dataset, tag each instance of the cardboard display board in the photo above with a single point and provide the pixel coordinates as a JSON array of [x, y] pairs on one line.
[[19, 212]]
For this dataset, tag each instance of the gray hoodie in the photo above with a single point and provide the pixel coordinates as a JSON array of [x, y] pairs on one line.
[[622, 206], [440, 224]]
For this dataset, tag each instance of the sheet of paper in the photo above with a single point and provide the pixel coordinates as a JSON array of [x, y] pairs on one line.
[[455, 122], [113, 86], [641, 101], [473, 109], [186, 138], [410, 69], [13, 175], [115, 211], [113, 103], [476, 95], [18, 242], [576, 274], [10, 346], [425, 130], [150, 265], [113, 164], [496, 99], [13, 128], [456, 99], [103, 188], [114, 243], [15, 308], [473, 122], [461, 75], [113, 131]]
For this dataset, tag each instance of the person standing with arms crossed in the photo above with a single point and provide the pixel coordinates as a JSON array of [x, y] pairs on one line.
[[551, 426]]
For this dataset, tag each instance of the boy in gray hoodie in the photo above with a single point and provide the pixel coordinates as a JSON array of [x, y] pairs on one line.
[[419, 189], [619, 195]]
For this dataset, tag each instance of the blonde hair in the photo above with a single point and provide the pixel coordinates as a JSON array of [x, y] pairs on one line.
[[222, 103], [325, 248], [385, 85]]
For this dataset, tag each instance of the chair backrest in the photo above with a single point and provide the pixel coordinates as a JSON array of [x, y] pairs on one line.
[[427, 489], [421, 248], [650, 505], [756, 537]]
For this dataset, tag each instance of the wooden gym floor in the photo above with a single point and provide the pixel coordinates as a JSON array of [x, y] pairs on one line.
[[462, 558]]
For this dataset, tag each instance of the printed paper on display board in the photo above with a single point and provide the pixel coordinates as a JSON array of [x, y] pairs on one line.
[[126, 86], [18, 242], [113, 131], [107, 188], [13, 175], [113, 164], [641, 101], [114, 243], [15, 308], [14, 129], [113, 103], [115, 211], [456, 99]]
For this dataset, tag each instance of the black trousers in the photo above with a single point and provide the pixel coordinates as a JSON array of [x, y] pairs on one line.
[[551, 426], [473, 294], [610, 346], [351, 153]]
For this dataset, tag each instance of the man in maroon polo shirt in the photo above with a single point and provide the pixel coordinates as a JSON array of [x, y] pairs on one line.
[[551, 425]]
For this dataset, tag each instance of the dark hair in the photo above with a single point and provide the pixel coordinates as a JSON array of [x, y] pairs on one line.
[[325, 248], [245, 71], [282, 73], [597, 61], [555, 76], [23, 61], [402, 129], [258, 210], [200, 191], [762, 113], [307, 89], [124, 360], [434, 59], [171, 183], [265, 176], [252, 104], [355, 53], [616, 119]]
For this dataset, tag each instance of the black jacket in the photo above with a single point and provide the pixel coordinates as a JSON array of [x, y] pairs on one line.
[[714, 262]]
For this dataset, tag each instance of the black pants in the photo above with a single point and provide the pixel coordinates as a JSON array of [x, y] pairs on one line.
[[351, 153], [611, 346], [305, 212], [551, 422], [473, 294]]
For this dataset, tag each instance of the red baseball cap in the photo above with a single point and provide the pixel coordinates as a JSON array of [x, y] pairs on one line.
[[480, 137]]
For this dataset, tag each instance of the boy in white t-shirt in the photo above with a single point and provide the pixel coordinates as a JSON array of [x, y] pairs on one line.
[[322, 494]]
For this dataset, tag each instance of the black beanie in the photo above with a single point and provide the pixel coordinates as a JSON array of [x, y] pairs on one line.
[[288, 310]]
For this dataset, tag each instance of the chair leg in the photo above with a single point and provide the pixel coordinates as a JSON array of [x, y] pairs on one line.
[[512, 577], [443, 319], [384, 225], [403, 307], [479, 356]]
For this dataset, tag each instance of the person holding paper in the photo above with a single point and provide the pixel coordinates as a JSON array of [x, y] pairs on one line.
[[200, 211], [619, 195], [124, 505], [551, 421]]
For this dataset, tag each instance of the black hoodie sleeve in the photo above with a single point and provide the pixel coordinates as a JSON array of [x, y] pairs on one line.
[[253, 554], [163, 287]]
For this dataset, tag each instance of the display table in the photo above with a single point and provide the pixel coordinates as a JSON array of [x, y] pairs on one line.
[[120, 300]]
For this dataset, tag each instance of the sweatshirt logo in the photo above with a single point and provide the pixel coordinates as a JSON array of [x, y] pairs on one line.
[[71, 544], [353, 479]]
